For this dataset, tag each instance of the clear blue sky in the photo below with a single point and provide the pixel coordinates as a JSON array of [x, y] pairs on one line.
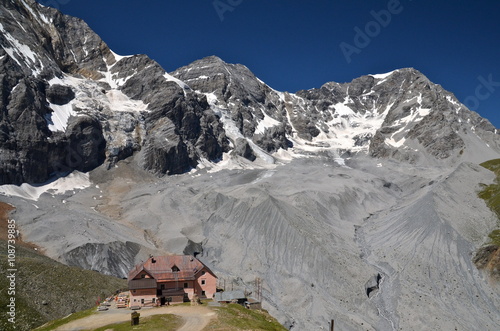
[[296, 44]]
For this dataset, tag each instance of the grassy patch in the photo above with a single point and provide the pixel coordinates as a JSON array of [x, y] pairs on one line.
[[47, 290], [236, 317], [57, 323], [493, 165], [495, 237], [151, 323], [491, 195]]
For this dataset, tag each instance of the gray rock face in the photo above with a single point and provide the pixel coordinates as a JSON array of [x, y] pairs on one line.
[[60, 94], [200, 111], [112, 104], [243, 149], [86, 144], [246, 99]]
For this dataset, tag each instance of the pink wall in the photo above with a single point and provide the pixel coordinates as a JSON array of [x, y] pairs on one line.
[[210, 285], [142, 294]]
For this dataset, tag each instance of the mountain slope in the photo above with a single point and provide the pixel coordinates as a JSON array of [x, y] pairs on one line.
[[46, 289], [70, 103], [354, 201]]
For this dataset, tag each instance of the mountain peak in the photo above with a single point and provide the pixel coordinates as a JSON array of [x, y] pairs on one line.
[[206, 108]]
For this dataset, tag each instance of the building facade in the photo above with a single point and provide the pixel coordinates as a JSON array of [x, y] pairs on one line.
[[174, 278]]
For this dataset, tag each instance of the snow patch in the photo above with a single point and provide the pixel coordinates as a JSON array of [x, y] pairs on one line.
[[119, 57], [395, 143], [118, 101], [75, 180], [23, 51], [224, 114], [177, 81], [382, 76], [267, 122], [344, 131], [342, 109], [58, 119]]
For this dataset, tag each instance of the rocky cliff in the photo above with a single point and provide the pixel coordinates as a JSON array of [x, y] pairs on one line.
[[70, 103]]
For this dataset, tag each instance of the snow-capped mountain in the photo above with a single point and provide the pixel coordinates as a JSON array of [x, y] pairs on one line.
[[70, 103], [353, 201]]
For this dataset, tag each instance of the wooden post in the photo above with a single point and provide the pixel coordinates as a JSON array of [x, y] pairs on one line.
[[332, 326]]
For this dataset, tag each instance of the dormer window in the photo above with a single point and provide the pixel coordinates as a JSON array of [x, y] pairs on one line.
[[175, 269]]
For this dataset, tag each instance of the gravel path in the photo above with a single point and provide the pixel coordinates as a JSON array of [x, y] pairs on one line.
[[196, 318]]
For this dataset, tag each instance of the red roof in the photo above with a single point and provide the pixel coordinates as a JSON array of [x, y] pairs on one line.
[[162, 268]]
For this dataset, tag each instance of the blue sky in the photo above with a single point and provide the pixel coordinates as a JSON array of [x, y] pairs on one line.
[[293, 45]]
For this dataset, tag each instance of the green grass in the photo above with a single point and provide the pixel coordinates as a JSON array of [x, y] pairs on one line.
[[493, 165], [47, 290], [152, 323], [495, 237], [236, 317], [57, 323], [491, 195]]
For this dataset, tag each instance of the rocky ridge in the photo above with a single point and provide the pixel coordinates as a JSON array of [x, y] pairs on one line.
[[70, 103]]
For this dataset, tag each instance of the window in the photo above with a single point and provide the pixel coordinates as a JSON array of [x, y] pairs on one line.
[[142, 301], [153, 300], [185, 285], [162, 287], [203, 282], [143, 276], [202, 293], [203, 272], [175, 269]]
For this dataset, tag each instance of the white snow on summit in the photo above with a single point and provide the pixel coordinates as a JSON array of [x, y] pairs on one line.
[[382, 76]]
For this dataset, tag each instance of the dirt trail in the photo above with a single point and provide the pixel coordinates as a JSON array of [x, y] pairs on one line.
[[196, 318]]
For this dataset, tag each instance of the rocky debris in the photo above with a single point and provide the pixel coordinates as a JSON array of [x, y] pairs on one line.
[[243, 149], [373, 285], [193, 248], [488, 258], [115, 258], [310, 221]]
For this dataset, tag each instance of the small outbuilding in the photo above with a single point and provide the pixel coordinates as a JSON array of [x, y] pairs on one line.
[[231, 297]]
